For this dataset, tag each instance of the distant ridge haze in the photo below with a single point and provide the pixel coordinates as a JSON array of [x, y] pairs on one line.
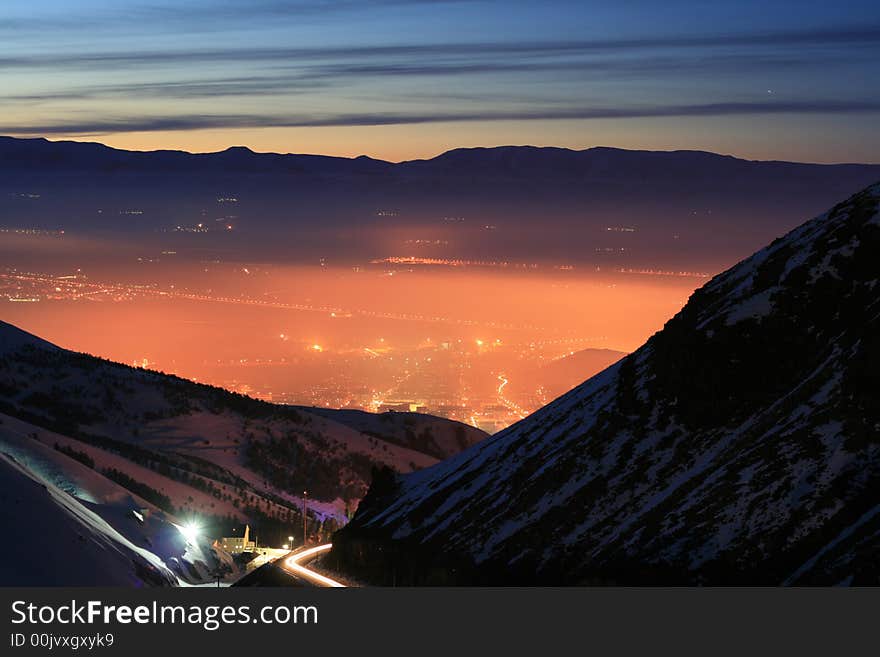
[[60, 150], [690, 209]]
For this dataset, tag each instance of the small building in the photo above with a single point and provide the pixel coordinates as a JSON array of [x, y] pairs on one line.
[[238, 544]]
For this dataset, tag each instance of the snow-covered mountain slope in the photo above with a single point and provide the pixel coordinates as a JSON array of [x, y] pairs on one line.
[[101, 504], [13, 339], [740, 444], [54, 540], [203, 448], [413, 430]]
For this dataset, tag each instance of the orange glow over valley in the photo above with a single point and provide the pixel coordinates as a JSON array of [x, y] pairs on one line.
[[483, 345]]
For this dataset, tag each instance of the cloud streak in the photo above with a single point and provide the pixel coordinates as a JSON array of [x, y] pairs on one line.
[[227, 121], [841, 36], [208, 16], [311, 78]]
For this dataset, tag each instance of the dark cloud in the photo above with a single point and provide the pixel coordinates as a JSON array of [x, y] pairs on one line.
[[410, 53], [194, 89], [196, 122], [630, 66], [208, 15], [308, 78]]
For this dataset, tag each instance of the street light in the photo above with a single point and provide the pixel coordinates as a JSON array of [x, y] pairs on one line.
[[289, 542], [190, 531], [305, 496]]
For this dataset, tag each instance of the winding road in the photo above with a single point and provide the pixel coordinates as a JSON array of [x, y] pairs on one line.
[[294, 566]]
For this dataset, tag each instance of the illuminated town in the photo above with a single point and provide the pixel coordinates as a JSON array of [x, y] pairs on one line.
[[374, 357]]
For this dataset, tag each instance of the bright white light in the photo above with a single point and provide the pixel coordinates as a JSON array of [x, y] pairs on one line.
[[190, 531]]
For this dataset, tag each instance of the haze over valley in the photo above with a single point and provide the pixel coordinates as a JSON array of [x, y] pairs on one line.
[[477, 286]]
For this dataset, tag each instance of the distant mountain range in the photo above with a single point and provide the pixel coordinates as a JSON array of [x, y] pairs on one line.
[[684, 206], [524, 162], [739, 445]]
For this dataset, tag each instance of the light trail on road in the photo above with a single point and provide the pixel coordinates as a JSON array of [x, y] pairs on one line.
[[516, 408], [293, 564]]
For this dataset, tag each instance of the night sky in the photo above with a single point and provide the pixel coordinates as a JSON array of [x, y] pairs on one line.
[[401, 79]]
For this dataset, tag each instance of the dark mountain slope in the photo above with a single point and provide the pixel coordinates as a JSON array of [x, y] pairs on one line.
[[413, 430], [740, 444]]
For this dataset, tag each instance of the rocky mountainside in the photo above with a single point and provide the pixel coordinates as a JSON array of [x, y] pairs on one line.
[[739, 445]]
